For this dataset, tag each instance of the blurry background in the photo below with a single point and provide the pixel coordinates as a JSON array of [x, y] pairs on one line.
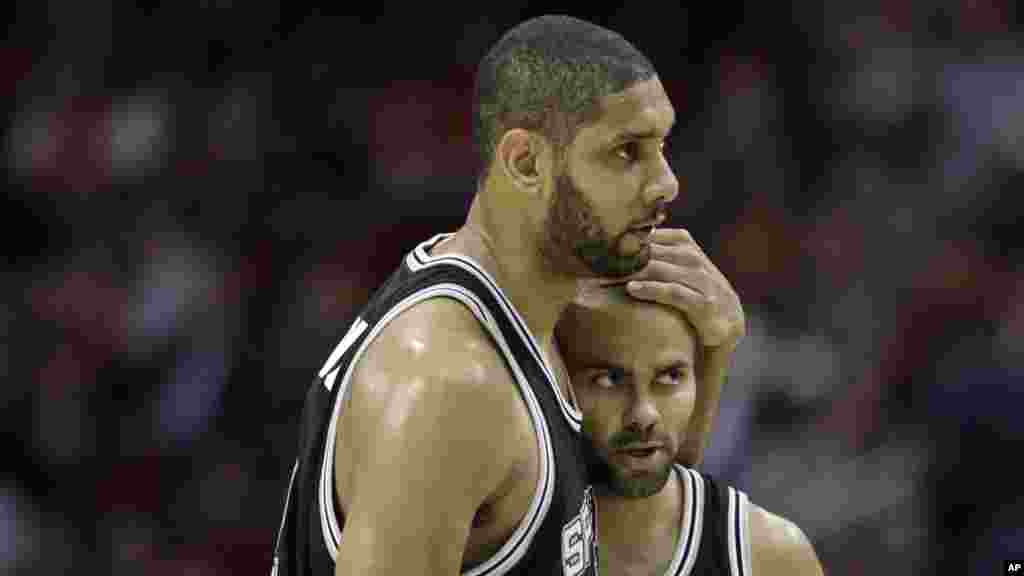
[[200, 195]]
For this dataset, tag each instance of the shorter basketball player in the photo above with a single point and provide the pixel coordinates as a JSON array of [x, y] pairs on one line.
[[634, 368]]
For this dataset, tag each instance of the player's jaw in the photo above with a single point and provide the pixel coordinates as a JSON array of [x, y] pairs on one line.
[[636, 238], [575, 227], [631, 466]]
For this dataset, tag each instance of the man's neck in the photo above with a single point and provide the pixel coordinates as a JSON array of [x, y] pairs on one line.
[[509, 253], [640, 534]]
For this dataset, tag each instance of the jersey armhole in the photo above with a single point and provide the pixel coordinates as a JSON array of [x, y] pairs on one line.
[[515, 547]]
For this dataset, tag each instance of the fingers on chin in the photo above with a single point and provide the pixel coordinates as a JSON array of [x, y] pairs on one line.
[[680, 255], [673, 235]]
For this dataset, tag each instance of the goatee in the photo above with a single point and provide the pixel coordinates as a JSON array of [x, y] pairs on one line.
[[574, 237]]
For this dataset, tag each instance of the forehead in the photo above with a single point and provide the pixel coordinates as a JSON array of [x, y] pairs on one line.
[[643, 107], [626, 333]]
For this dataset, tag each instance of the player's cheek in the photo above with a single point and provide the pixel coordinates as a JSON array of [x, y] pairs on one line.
[[596, 423], [685, 410]]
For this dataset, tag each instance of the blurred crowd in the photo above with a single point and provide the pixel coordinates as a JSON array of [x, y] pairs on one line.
[[200, 198]]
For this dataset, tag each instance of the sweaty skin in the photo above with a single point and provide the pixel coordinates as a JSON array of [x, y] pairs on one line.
[[436, 457], [634, 368]]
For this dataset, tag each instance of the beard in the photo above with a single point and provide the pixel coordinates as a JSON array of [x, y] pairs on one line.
[[575, 239], [602, 472]]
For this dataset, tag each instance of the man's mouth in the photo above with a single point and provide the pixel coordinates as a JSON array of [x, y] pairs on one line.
[[643, 451], [642, 230], [649, 225]]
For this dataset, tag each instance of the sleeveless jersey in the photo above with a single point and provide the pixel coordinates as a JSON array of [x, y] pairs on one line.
[[557, 535], [714, 538]]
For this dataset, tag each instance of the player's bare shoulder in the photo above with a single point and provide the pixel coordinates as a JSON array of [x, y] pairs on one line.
[[427, 435], [436, 355], [779, 546], [434, 361], [425, 341], [437, 341]]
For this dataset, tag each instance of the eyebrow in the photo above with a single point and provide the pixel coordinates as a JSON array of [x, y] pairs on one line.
[[686, 364], [605, 366], [659, 370], [641, 135]]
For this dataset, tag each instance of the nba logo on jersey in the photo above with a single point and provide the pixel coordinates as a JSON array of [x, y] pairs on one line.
[[579, 545]]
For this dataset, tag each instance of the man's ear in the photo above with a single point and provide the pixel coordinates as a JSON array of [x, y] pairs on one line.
[[520, 156]]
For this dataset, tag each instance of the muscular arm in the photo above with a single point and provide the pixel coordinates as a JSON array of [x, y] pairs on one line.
[[780, 547], [431, 416]]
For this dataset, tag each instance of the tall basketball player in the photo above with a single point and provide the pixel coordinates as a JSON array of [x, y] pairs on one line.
[[635, 368], [440, 435]]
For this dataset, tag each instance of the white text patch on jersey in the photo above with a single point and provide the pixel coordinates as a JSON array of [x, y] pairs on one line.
[[579, 545]]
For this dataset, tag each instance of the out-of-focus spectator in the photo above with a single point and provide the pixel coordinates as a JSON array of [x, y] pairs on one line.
[[204, 195]]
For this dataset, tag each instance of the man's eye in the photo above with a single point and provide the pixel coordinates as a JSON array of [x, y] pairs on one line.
[[628, 151], [608, 378], [673, 376]]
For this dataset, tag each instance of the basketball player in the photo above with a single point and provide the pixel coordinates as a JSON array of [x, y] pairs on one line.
[[440, 435], [635, 369]]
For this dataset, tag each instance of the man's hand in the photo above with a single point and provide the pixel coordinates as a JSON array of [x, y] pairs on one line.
[[680, 275]]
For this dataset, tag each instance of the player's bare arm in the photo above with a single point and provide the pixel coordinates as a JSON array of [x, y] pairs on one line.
[[426, 441], [682, 276], [779, 547]]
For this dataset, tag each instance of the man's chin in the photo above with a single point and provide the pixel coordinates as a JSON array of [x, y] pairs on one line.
[[620, 483], [639, 486], [618, 269]]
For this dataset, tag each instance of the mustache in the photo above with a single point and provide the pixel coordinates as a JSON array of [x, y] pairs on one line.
[[660, 213], [628, 437]]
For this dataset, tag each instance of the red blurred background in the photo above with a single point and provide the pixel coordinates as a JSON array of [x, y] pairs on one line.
[[199, 198]]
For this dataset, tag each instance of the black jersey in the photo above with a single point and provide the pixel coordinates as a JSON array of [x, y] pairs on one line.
[[557, 536], [714, 539]]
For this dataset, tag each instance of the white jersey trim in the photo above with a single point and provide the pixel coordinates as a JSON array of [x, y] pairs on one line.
[[739, 533], [688, 546], [515, 547], [355, 331], [419, 259], [748, 564]]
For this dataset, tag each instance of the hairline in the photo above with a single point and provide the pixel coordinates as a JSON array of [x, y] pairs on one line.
[[589, 115]]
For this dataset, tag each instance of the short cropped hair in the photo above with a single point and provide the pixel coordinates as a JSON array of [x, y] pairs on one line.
[[617, 295], [547, 75]]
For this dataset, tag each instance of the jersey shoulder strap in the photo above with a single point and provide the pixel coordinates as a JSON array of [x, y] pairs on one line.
[[733, 518], [691, 527]]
